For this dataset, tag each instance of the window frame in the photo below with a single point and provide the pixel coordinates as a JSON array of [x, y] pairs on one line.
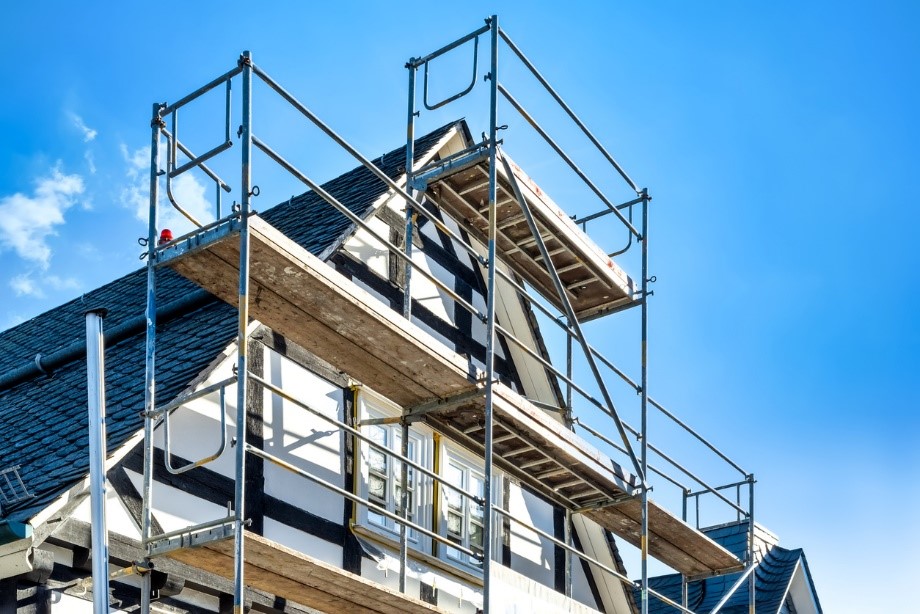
[[371, 406], [450, 454]]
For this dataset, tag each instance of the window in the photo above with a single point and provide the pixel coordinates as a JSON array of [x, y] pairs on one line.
[[462, 520], [380, 473], [384, 474], [431, 505]]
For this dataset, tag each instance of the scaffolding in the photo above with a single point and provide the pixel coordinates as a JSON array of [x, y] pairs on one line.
[[521, 239]]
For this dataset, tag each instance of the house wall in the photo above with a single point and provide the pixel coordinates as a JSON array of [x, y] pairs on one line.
[[305, 516], [801, 594]]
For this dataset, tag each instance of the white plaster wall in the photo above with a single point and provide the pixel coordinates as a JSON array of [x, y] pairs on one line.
[[303, 439], [454, 595], [303, 542], [531, 554], [177, 509], [517, 594], [117, 519], [369, 250], [801, 593], [423, 289], [194, 429]]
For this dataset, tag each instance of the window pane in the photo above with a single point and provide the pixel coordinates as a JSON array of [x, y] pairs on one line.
[[378, 434], [376, 518], [377, 487], [454, 499], [475, 537], [477, 486], [377, 461], [455, 475], [454, 526]]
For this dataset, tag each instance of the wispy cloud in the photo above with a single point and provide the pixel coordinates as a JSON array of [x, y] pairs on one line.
[[90, 161], [186, 189], [89, 134], [27, 284], [26, 221]]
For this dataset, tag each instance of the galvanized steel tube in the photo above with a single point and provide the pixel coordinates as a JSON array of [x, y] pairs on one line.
[[488, 520], [95, 388], [644, 401], [239, 583], [410, 161], [150, 348]]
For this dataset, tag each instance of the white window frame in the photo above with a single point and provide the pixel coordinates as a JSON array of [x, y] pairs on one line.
[[371, 406], [452, 457]]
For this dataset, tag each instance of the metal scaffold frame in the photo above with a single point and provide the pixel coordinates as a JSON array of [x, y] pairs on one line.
[[491, 152]]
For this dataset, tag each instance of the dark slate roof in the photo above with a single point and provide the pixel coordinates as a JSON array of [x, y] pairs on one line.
[[43, 420], [773, 577]]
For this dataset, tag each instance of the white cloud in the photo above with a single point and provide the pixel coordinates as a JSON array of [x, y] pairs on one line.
[[26, 221], [88, 133], [186, 189], [90, 161], [25, 284], [55, 282]]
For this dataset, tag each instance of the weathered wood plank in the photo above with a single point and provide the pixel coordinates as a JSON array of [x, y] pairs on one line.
[[303, 298], [671, 540], [604, 285], [284, 572], [300, 327]]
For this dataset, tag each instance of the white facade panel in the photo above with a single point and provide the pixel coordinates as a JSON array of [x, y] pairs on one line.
[[303, 542], [302, 438], [531, 554]]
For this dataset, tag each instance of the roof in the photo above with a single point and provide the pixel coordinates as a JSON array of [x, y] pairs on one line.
[[43, 418], [773, 578]]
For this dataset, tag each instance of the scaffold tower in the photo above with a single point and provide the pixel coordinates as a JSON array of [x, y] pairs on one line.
[[523, 241]]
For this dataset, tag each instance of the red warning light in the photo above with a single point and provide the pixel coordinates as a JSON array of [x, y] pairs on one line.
[[165, 236]]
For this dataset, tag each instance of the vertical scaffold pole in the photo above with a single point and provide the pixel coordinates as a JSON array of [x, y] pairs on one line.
[[404, 508], [684, 587], [567, 537], [569, 412], [242, 351], [407, 313], [410, 161], [490, 319], [150, 348], [752, 582], [95, 388], [644, 401]]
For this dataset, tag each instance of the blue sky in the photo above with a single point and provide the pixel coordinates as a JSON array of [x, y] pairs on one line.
[[779, 143]]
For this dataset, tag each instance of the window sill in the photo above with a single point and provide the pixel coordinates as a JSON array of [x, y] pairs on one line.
[[458, 571]]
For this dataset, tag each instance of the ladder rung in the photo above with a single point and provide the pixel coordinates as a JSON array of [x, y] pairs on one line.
[[504, 438], [581, 283], [519, 451], [473, 187], [535, 463]]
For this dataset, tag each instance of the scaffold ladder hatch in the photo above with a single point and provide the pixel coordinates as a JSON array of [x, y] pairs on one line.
[[306, 300]]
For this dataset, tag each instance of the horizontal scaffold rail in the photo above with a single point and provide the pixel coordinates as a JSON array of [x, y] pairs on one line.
[[300, 296]]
